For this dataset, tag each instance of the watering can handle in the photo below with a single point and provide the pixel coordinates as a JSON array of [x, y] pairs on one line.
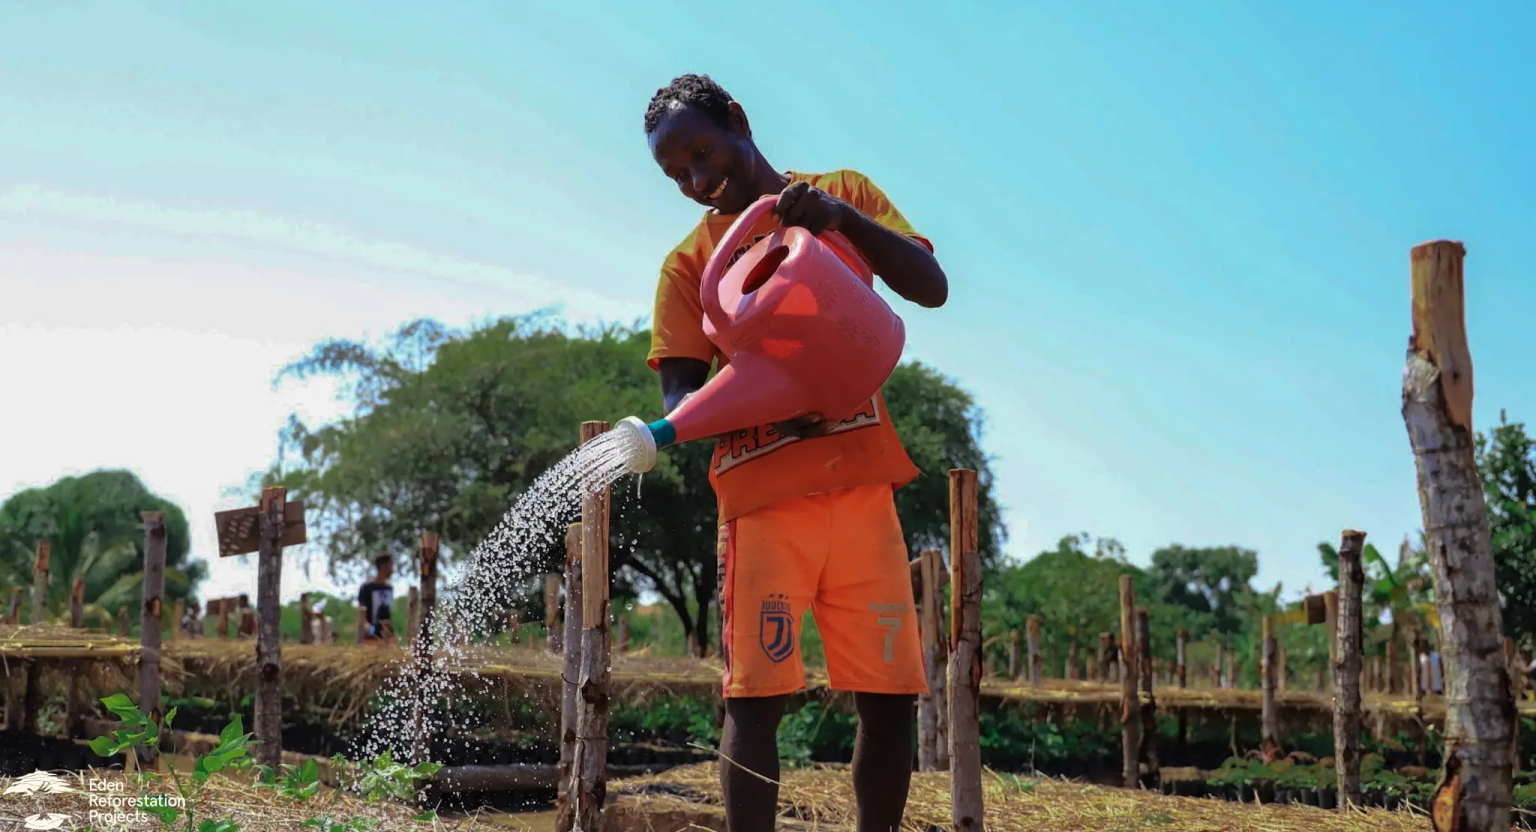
[[714, 270]]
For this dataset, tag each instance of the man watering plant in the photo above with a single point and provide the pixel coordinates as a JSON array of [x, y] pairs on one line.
[[807, 509]]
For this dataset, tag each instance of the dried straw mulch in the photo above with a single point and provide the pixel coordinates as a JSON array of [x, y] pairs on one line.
[[224, 797], [823, 799]]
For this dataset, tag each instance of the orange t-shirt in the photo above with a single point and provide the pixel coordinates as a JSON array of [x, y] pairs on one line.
[[759, 466]]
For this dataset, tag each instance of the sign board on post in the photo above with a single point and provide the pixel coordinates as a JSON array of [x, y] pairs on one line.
[[266, 528], [239, 533]]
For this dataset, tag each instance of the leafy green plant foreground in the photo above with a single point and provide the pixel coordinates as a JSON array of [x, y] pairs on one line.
[[374, 781]]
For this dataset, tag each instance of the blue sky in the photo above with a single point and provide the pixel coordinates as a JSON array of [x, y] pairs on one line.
[[1177, 234]]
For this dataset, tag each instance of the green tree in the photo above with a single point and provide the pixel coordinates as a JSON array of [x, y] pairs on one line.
[[1506, 460], [1213, 583], [449, 427], [95, 533]]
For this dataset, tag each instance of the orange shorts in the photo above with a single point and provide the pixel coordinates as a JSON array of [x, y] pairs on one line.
[[841, 555]]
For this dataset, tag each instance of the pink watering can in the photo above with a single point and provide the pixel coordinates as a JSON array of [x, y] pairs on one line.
[[804, 331]]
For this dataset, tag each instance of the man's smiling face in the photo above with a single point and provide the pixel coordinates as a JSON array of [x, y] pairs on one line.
[[712, 164]]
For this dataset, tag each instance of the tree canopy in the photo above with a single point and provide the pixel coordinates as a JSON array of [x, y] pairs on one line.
[[448, 427], [95, 533], [1506, 460]]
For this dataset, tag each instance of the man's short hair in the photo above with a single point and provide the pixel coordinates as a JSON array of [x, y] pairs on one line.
[[699, 91], [382, 561]]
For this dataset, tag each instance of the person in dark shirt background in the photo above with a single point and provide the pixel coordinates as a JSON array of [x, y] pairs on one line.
[[376, 597]]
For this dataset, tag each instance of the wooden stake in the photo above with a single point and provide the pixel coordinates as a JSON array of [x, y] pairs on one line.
[[1181, 674], [1036, 668], [967, 811], [565, 814], [178, 612], [623, 637], [412, 614], [589, 765], [40, 583], [1331, 623], [306, 620], [1477, 779], [1282, 676], [72, 686], [122, 621], [1267, 676], [422, 648], [1130, 718], [1013, 654], [269, 646], [13, 617], [552, 611], [1346, 670], [1072, 663], [1389, 676], [933, 706], [1148, 752], [1219, 671], [1100, 669]]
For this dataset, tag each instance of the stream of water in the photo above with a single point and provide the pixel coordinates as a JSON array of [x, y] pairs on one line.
[[513, 553]]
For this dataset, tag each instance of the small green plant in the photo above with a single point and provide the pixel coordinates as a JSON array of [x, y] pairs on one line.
[[384, 778], [298, 783], [140, 731], [356, 824]]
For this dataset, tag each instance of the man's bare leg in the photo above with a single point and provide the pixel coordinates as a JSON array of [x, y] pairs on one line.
[[750, 738], [882, 759]]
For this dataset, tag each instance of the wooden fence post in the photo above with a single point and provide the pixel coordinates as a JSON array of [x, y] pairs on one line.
[[1036, 668], [565, 815], [149, 623], [1346, 670], [306, 620], [967, 811], [1130, 717], [1072, 662], [933, 706], [1013, 654], [40, 583], [552, 612], [1331, 623], [1477, 781], [72, 686], [272, 513], [13, 616], [412, 614], [1219, 670], [1099, 671], [1149, 706], [1181, 674], [422, 647], [589, 765], [1269, 721]]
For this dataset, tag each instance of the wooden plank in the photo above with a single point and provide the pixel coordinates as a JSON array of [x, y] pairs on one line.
[[1347, 669], [589, 765], [272, 531], [1477, 780], [967, 809], [239, 529]]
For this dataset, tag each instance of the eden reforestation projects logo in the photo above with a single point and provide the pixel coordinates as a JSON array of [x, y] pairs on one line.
[[107, 804]]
